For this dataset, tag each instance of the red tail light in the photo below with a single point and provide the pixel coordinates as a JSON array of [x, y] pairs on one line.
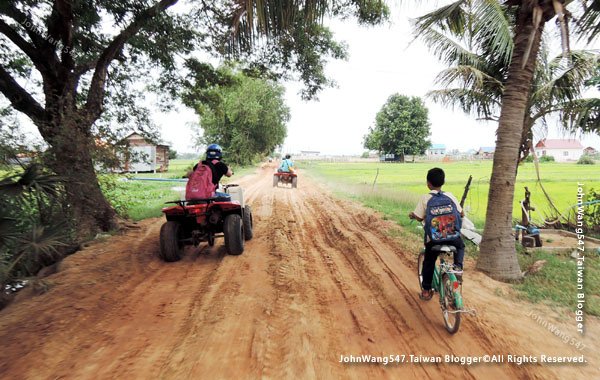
[[195, 211]]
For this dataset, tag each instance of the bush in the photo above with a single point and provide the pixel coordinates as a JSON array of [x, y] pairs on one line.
[[33, 229], [547, 159], [116, 193], [585, 160]]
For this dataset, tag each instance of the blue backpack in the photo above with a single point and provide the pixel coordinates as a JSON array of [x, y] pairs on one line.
[[442, 219]]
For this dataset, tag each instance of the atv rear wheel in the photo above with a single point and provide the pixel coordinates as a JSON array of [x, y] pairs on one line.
[[275, 180], [171, 247], [295, 182], [247, 220], [234, 236]]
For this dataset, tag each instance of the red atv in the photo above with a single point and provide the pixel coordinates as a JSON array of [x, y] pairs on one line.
[[202, 220], [285, 178]]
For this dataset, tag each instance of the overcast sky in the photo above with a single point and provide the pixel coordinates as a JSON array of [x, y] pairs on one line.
[[381, 62]]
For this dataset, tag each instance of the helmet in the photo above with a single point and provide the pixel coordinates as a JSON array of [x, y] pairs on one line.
[[214, 152], [287, 156]]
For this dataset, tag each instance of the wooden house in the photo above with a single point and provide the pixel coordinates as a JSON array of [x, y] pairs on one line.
[[145, 156]]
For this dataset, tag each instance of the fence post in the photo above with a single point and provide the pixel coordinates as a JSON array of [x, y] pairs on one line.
[[375, 180]]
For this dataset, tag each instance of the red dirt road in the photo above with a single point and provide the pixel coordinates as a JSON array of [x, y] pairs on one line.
[[322, 278]]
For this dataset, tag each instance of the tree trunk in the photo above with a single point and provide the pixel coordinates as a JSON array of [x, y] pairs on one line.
[[70, 158], [498, 256]]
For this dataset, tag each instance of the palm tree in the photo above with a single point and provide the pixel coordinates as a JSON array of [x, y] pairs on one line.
[[475, 81], [498, 255]]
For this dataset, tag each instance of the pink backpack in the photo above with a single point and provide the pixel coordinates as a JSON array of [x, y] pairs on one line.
[[200, 185]]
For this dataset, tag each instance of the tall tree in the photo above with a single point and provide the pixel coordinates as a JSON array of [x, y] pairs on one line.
[[58, 63], [66, 47], [498, 256], [247, 116], [401, 127]]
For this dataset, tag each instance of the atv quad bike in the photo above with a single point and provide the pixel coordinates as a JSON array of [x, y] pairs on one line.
[[285, 178], [203, 220]]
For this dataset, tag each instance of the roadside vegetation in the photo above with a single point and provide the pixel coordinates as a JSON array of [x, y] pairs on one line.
[[556, 282]]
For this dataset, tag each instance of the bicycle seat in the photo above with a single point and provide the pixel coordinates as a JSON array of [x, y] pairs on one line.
[[444, 248]]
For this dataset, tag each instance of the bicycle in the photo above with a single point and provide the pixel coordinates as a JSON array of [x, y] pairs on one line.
[[446, 284]]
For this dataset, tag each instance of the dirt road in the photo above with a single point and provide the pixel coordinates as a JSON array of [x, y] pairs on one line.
[[321, 279]]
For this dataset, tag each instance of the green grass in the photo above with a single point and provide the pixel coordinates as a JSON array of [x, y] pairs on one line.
[[560, 181], [556, 283], [146, 199]]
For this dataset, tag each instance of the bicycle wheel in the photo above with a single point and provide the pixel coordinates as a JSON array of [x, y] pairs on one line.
[[449, 310], [420, 269]]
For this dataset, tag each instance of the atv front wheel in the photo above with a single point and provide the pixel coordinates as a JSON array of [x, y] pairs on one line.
[[275, 180], [171, 248], [234, 236], [294, 182], [247, 220]]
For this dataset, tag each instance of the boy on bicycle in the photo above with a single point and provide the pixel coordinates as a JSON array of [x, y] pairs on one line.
[[442, 214]]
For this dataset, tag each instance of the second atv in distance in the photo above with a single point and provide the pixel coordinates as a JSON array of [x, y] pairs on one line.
[[285, 178]]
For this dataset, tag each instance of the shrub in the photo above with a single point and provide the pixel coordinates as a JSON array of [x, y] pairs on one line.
[[547, 159], [116, 193], [585, 160], [33, 228]]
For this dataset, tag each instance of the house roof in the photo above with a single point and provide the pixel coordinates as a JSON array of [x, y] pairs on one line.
[[137, 136], [437, 146], [134, 135], [590, 149], [487, 149], [559, 144]]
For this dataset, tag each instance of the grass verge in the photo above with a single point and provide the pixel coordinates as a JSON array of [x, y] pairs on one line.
[[556, 282]]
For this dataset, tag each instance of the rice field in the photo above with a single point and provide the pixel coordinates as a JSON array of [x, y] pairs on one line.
[[404, 183]]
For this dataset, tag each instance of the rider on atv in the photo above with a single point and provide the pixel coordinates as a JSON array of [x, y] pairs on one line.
[[219, 169], [287, 166]]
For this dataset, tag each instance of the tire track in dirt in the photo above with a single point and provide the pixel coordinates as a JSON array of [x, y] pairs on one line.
[[347, 246], [346, 242], [293, 278]]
